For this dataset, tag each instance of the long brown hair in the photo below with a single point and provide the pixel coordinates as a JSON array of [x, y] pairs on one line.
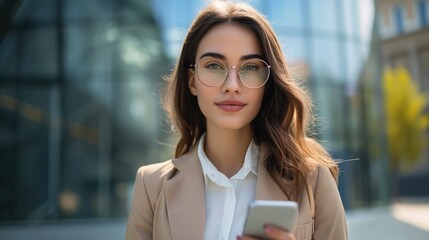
[[282, 123]]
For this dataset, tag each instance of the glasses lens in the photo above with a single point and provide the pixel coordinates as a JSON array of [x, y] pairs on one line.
[[254, 73], [211, 72]]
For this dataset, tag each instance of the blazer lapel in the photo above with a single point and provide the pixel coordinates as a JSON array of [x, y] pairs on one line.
[[266, 188], [185, 199]]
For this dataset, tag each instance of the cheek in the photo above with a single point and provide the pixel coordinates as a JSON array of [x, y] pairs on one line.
[[257, 99], [259, 104], [260, 97], [203, 101], [258, 107]]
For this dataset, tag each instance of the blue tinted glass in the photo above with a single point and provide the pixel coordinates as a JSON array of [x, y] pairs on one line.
[[329, 101], [85, 55], [293, 48], [350, 17], [8, 56], [174, 18], [88, 9], [423, 13], [35, 11], [260, 5], [354, 60], [323, 15], [287, 13], [325, 63], [352, 54], [399, 25], [39, 55]]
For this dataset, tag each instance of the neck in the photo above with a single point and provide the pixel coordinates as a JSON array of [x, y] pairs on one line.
[[226, 148]]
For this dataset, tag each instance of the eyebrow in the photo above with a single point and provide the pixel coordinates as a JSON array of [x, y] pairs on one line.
[[220, 56]]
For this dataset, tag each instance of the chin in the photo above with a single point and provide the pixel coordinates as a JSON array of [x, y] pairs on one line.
[[233, 125]]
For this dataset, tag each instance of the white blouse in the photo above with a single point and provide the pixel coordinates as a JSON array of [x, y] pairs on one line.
[[227, 200]]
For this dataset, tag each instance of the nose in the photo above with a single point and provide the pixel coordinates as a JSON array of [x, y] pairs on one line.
[[232, 81]]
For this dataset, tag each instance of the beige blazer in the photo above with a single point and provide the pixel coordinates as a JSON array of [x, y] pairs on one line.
[[168, 202]]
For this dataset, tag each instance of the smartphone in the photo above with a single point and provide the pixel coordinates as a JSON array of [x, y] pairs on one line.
[[282, 214]]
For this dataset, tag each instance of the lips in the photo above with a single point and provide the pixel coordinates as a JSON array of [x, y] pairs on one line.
[[231, 105]]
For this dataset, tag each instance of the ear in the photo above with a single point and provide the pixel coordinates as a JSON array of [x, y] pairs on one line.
[[191, 82]]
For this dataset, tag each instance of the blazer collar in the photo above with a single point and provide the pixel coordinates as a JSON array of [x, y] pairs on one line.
[[266, 188], [185, 198], [185, 195]]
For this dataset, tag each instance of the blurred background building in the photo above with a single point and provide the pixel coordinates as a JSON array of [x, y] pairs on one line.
[[79, 106], [404, 35], [80, 83]]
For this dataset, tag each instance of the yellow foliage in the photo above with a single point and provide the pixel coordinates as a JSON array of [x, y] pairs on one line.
[[407, 122]]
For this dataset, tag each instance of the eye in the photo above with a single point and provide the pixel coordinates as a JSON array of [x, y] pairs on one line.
[[253, 65], [250, 67], [214, 66]]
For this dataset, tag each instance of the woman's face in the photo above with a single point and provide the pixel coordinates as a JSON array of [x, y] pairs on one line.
[[230, 104]]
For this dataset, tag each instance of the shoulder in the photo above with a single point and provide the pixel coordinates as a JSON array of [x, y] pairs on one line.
[[321, 169], [150, 180], [327, 200], [153, 176], [321, 184], [321, 178], [324, 173], [156, 170]]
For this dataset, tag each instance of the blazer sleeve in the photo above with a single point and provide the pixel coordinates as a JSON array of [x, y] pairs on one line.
[[330, 220], [140, 218]]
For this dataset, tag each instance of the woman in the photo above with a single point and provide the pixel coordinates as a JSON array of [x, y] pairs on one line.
[[242, 125]]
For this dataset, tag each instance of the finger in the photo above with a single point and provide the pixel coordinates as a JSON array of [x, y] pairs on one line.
[[277, 233]]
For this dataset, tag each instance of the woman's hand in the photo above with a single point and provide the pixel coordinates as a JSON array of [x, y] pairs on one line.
[[273, 233]]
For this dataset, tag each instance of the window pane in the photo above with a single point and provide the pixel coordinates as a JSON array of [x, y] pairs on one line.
[[36, 11], [326, 64], [25, 132], [293, 48], [87, 50], [354, 61], [286, 14], [8, 57], [423, 12], [88, 10], [37, 53], [329, 102], [350, 17], [323, 15]]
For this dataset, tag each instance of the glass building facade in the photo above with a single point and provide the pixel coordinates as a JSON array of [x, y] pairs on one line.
[[79, 97], [79, 110]]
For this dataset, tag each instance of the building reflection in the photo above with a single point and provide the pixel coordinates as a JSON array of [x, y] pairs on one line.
[[79, 108]]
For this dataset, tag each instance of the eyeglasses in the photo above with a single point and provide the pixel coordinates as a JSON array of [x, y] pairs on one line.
[[212, 72]]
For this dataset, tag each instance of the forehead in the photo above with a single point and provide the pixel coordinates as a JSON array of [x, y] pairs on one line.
[[231, 40]]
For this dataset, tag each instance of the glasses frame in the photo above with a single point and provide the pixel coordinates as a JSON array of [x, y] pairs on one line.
[[195, 66]]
